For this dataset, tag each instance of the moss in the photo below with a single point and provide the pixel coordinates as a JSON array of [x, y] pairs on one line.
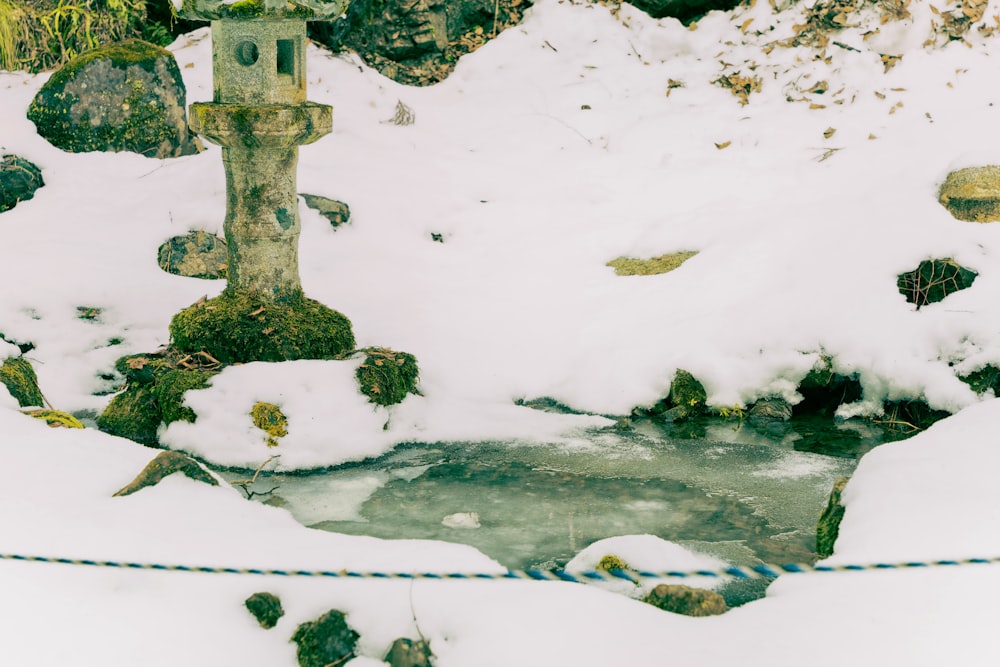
[[246, 9], [244, 328], [56, 418], [983, 380], [686, 600], [828, 526], [326, 641], [132, 414], [269, 418], [611, 562], [685, 390], [168, 390], [933, 280], [266, 608], [19, 377], [631, 266], [387, 376]]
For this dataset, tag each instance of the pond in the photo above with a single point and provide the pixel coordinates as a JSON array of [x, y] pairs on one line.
[[747, 495]]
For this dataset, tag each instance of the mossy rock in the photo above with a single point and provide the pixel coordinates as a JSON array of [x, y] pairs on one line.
[[19, 377], [269, 418], [611, 562], [19, 179], [163, 465], [266, 608], [169, 388], [631, 266], [687, 391], [972, 194], [197, 254], [337, 212], [326, 641], [126, 96], [686, 600], [240, 329], [823, 390], [132, 414], [56, 418], [933, 280], [386, 376], [409, 653], [828, 526]]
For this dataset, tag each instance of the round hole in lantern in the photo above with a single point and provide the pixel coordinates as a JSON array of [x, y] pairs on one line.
[[247, 53]]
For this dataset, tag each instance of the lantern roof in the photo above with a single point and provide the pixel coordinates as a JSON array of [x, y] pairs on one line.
[[256, 10]]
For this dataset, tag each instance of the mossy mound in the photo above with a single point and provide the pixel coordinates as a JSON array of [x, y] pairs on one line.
[[387, 376], [19, 377], [19, 179], [266, 608], [686, 600], [326, 641], [154, 394], [611, 562], [828, 526], [269, 418], [56, 418], [241, 329], [933, 280], [631, 266], [972, 194]]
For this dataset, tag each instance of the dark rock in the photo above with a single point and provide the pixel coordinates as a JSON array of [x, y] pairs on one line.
[[823, 390], [195, 255], [686, 600], [120, 97], [408, 653], [164, 464], [933, 280], [685, 11], [18, 181], [326, 641], [767, 410], [19, 377], [266, 608], [337, 212], [828, 527]]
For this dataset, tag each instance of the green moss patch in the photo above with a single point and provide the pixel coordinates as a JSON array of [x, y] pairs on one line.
[[19, 377], [132, 414], [269, 418], [631, 266], [387, 376], [240, 329], [56, 418], [933, 280], [828, 527]]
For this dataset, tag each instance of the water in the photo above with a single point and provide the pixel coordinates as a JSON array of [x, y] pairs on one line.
[[717, 487]]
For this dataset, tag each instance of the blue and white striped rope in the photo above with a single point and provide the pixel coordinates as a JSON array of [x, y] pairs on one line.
[[554, 574]]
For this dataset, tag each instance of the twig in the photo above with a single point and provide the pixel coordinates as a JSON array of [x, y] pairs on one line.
[[896, 422]]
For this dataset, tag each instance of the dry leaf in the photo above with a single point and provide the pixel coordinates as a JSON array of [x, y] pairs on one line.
[[871, 136], [813, 105], [829, 132], [724, 144], [879, 95], [746, 24]]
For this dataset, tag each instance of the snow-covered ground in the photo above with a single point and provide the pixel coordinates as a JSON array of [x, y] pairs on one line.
[[551, 150]]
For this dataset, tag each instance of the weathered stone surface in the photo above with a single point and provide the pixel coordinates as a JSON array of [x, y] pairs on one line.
[[973, 194], [774, 409], [326, 641], [408, 653], [828, 527], [19, 377], [164, 464], [337, 212], [19, 179], [266, 608], [195, 255], [120, 97], [686, 600]]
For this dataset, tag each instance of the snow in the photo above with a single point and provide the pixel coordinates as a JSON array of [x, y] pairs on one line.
[[548, 152]]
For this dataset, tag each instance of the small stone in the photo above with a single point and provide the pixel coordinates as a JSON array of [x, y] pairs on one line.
[[687, 391], [408, 653], [197, 254], [686, 600], [266, 608], [19, 179], [326, 641], [774, 409], [164, 464], [461, 520], [337, 212], [972, 194]]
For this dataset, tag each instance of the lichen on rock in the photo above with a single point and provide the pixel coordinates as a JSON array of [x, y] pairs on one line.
[[240, 328], [19, 377], [972, 194]]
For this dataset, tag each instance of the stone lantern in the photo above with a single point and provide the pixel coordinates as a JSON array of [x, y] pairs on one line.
[[260, 116]]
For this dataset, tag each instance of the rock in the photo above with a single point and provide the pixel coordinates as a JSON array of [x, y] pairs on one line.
[[408, 653], [774, 409], [19, 377], [197, 254], [266, 608], [337, 212], [120, 97], [164, 464], [972, 194], [685, 11], [828, 526], [18, 181], [326, 641], [461, 520], [686, 600], [933, 280], [386, 376], [686, 390]]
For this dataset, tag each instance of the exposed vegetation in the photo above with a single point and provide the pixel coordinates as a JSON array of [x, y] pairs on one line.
[[933, 280], [19, 377], [269, 418], [828, 527], [387, 376], [631, 266], [56, 418]]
